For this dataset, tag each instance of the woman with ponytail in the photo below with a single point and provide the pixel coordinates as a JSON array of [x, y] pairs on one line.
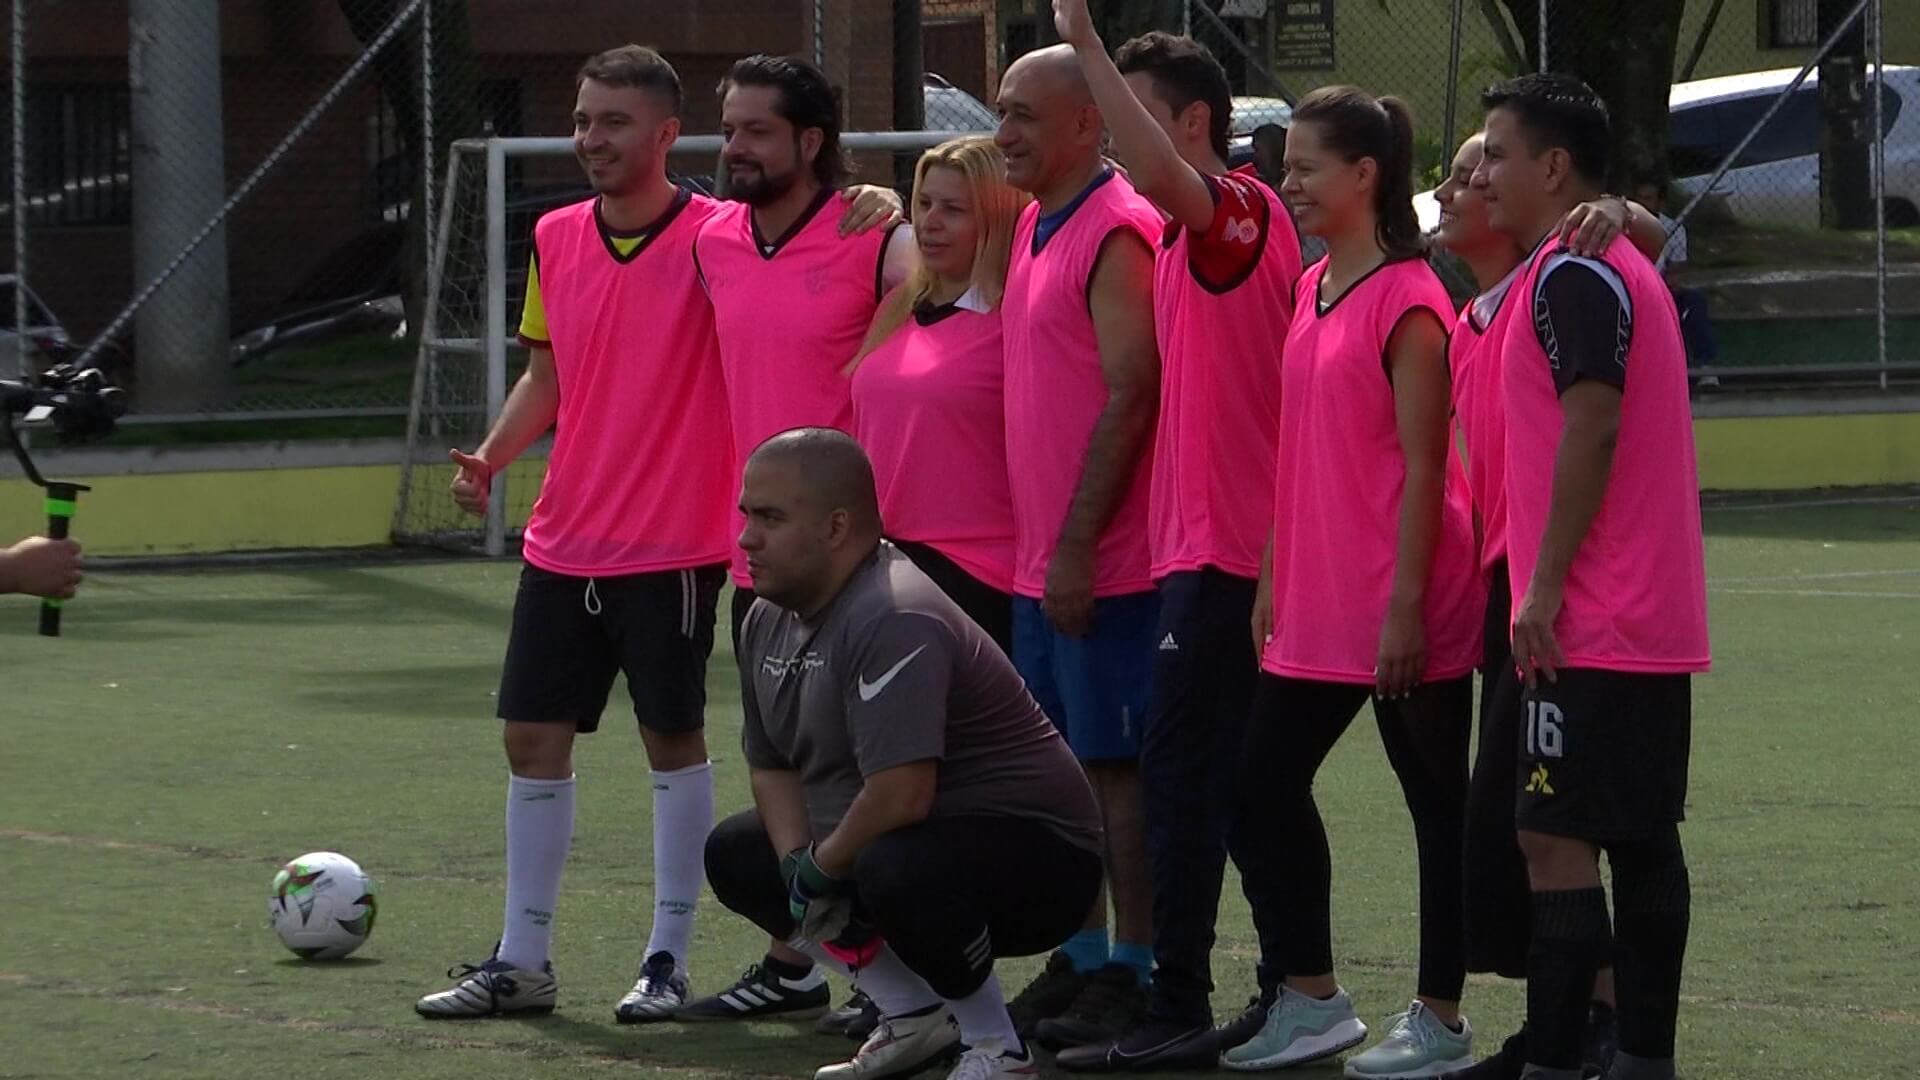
[[927, 385], [1369, 590]]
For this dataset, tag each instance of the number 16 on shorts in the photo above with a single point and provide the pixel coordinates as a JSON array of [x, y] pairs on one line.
[[1545, 729]]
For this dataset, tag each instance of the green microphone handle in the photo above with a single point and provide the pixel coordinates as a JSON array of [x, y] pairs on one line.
[[61, 500]]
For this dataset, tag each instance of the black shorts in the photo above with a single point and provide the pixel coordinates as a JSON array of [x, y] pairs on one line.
[[572, 635], [1603, 754], [1496, 633]]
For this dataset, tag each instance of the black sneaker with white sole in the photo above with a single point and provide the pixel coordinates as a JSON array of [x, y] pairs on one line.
[[761, 994], [1050, 994], [841, 1020], [1152, 1046]]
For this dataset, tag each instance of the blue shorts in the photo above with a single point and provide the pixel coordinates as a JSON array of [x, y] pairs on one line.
[[1096, 688]]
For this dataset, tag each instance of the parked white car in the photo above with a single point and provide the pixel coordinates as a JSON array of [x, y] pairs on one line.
[[1776, 179]]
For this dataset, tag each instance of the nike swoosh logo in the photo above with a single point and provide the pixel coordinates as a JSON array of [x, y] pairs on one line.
[[871, 690]]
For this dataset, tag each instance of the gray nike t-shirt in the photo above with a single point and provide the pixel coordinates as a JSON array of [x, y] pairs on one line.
[[892, 673]]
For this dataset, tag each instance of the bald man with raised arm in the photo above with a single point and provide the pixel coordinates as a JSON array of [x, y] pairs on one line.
[[1082, 389], [915, 814]]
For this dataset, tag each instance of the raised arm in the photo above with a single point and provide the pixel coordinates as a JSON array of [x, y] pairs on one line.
[[1154, 166]]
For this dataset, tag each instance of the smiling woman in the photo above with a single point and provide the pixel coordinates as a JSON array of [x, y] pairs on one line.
[[927, 401]]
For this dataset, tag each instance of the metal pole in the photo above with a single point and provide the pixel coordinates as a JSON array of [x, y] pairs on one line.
[[429, 331], [426, 218], [496, 343], [1544, 65], [179, 169], [253, 179], [1448, 140], [20, 186], [1186, 17], [820, 34], [1877, 28]]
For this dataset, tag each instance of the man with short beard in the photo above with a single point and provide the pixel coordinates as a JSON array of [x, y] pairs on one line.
[[792, 295], [624, 565]]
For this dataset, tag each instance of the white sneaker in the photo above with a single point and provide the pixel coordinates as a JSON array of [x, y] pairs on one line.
[[1299, 1029], [491, 989], [661, 988], [1417, 1046], [991, 1060], [900, 1045]]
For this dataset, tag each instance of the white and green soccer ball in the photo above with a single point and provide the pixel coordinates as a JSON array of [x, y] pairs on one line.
[[322, 906]]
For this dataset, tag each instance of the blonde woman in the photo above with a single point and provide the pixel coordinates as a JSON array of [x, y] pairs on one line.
[[926, 385]]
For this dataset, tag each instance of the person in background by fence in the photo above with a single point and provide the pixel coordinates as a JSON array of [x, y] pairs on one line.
[[623, 565], [928, 405], [1696, 321], [41, 566], [1497, 904], [1223, 296], [793, 291], [1269, 159], [1370, 590], [1082, 387], [1608, 590]]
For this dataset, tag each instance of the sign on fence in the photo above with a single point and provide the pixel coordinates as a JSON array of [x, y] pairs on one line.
[[1303, 35]]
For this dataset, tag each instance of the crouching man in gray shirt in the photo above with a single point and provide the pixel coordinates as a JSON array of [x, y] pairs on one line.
[[915, 813]]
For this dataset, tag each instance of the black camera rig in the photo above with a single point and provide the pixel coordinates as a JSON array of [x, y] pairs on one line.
[[81, 404]]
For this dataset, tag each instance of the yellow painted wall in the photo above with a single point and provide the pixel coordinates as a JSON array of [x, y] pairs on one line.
[[352, 506], [1788, 453], [182, 513]]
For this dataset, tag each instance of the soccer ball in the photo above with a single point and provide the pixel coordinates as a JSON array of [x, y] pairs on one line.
[[322, 906]]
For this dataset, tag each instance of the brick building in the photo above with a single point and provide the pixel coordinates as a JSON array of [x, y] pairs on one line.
[[339, 181]]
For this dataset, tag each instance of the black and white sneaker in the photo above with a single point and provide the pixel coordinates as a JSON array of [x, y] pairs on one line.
[[1152, 1046], [661, 990], [866, 1023], [1050, 994], [760, 994], [842, 1020], [493, 988]]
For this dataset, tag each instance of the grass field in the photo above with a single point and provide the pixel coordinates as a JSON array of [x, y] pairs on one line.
[[193, 730]]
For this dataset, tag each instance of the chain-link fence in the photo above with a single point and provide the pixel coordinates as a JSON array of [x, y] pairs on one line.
[[228, 204], [225, 203], [1790, 183]]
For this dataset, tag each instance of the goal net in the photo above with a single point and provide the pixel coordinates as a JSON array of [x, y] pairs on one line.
[[469, 352]]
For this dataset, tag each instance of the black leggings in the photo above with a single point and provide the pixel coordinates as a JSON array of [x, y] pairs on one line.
[[1499, 903], [983, 603], [933, 890], [1281, 843]]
